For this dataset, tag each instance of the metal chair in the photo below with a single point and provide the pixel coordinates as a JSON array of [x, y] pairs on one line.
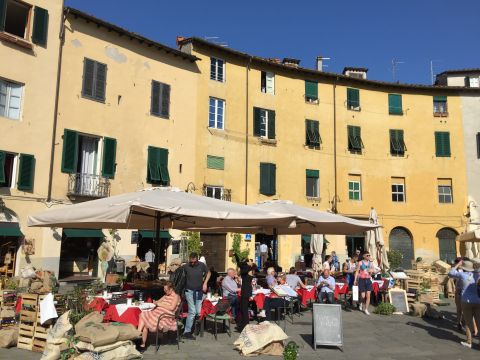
[[221, 313], [178, 316]]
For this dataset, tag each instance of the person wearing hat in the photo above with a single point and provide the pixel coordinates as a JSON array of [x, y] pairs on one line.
[[469, 282]]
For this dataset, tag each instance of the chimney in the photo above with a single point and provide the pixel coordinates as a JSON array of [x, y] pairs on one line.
[[319, 63], [291, 62], [180, 39], [355, 72]]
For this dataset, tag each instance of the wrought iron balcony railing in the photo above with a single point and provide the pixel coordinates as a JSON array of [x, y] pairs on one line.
[[88, 185]]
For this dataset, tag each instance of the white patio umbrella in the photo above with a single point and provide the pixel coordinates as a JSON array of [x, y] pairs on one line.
[[316, 248], [158, 208], [375, 242]]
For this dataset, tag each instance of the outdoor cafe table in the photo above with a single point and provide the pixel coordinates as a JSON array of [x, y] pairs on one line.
[[307, 295]]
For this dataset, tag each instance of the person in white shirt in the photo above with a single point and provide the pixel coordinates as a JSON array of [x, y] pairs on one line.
[[263, 254], [327, 262], [150, 256]]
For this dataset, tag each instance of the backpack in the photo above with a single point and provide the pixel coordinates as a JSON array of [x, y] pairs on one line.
[[179, 280]]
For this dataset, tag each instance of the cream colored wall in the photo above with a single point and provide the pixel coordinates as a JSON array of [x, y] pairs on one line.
[[32, 133], [422, 215]]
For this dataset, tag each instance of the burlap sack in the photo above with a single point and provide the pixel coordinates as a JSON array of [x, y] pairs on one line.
[[126, 331], [273, 349], [418, 309], [84, 346], [256, 337], [57, 334], [36, 285], [8, 337], [124, 352], [93, 318], [86, 356], [7, 313], [97, 334], [52, 351]]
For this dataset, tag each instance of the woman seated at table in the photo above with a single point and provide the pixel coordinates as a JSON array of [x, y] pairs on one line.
[[271, 281], [167, 305], [274, 301], [293, 280]]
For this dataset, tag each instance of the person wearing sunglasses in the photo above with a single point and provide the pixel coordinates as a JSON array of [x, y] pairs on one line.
[[363, 278]]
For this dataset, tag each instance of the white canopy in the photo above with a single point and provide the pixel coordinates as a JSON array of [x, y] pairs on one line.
[[177, 210]]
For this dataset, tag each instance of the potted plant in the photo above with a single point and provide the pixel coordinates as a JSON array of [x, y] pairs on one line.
[[291, 351]]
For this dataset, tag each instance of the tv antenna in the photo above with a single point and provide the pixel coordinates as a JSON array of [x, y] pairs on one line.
[[395, 64], [431, 70]]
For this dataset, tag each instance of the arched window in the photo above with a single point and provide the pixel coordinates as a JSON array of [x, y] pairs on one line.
[[401, 240], [446, 244]]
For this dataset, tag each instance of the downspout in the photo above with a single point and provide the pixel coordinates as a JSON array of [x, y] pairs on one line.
[[57, 95], [246, 131], [335, 197]]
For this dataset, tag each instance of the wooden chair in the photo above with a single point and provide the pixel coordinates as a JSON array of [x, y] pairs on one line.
[[178, 316]]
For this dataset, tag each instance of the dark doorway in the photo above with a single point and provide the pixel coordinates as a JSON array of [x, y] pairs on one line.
[[446, 245], [272, 243], [214, 249], [78, 256], [401, 240], [355, 242]]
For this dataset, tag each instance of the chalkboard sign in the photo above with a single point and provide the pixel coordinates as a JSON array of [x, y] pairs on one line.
[[327, 327], [398, 298]]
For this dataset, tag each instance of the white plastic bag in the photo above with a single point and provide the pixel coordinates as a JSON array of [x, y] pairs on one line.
[[355, 292]]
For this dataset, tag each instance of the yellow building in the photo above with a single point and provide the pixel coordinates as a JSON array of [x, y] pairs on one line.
[[29, 52], [269, 129]]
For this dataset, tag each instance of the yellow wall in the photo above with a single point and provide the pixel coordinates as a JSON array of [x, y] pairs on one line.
[[32, 133]]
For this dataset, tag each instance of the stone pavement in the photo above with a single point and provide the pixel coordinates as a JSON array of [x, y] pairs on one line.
[[398, 337]]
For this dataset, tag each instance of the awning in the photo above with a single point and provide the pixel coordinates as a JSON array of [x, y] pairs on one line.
[[83, 233], [151, 234], [10, 231], [473, 236]]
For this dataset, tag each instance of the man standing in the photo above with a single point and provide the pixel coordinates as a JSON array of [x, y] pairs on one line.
[[197, 275], [229, 290], [263, 254], [150, 257]]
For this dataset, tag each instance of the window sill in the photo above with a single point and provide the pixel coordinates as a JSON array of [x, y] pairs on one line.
[[355, 152], [313, 199], [266, 141], [356, 108], [312, 101], [440, 114], [101, 101], [167, 117], [16, 40], [312, 147], [7, 118], [396, 113]]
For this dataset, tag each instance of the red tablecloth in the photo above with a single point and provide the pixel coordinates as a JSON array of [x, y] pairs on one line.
[[375, 288], [340, 290], [97, 304], [129, 316], [209, 308], [306, 295]]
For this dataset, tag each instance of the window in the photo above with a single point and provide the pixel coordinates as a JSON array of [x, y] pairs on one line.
[[81, 156], [267, 179], [398, 190], [395, 104], [355, 143], [160, 101], [312, 190], [440, 106], [215, 162], [354, 187], [353, 99], [311, 91], [8, 171], [445, 194], [268, 82], [217, 69], [264, 123], [442, 143], [10, 99], [216, 113], [157, 166], [215, 192], [94, 80], [312, 134], [397, 144]]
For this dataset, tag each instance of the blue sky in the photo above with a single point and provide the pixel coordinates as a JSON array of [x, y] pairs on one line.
[[368, 33]]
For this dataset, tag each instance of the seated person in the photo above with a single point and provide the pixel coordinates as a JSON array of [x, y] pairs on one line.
[[274, 302], [293, 280], [326, 287], [132, 275], [229, 290], [167, 304], [271, 281]]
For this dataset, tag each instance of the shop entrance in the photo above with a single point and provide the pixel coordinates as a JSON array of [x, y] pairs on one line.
[[355, 242], [214, 249], [146, 242], [272, 242]]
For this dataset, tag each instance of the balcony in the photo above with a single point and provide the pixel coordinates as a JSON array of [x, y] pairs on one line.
[[88, 185]]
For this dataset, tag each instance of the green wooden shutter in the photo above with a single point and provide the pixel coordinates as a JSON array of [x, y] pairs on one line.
[[215, 162], [26, 172], [165, 100], [88, 73], [312, 173], [256, 121], [442, 144], [70, 151], [273, 179], [439, 98], [271, 124], [163, 166], [155, 98], [353, 98], [3, 13], [109, 155], [311, 89], [100, 81], [267, 179], [2, 166], [316, 132], [40, 26], [153, 161], [395, 104]]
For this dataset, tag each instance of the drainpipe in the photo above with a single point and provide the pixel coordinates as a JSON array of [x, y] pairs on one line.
[[57, 94], [335, 197], [246, 131]]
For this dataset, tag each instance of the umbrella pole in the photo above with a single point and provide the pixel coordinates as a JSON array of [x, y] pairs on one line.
[[157, 245]]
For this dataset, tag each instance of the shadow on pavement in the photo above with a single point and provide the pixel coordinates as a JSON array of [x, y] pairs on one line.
[[437, 332]]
